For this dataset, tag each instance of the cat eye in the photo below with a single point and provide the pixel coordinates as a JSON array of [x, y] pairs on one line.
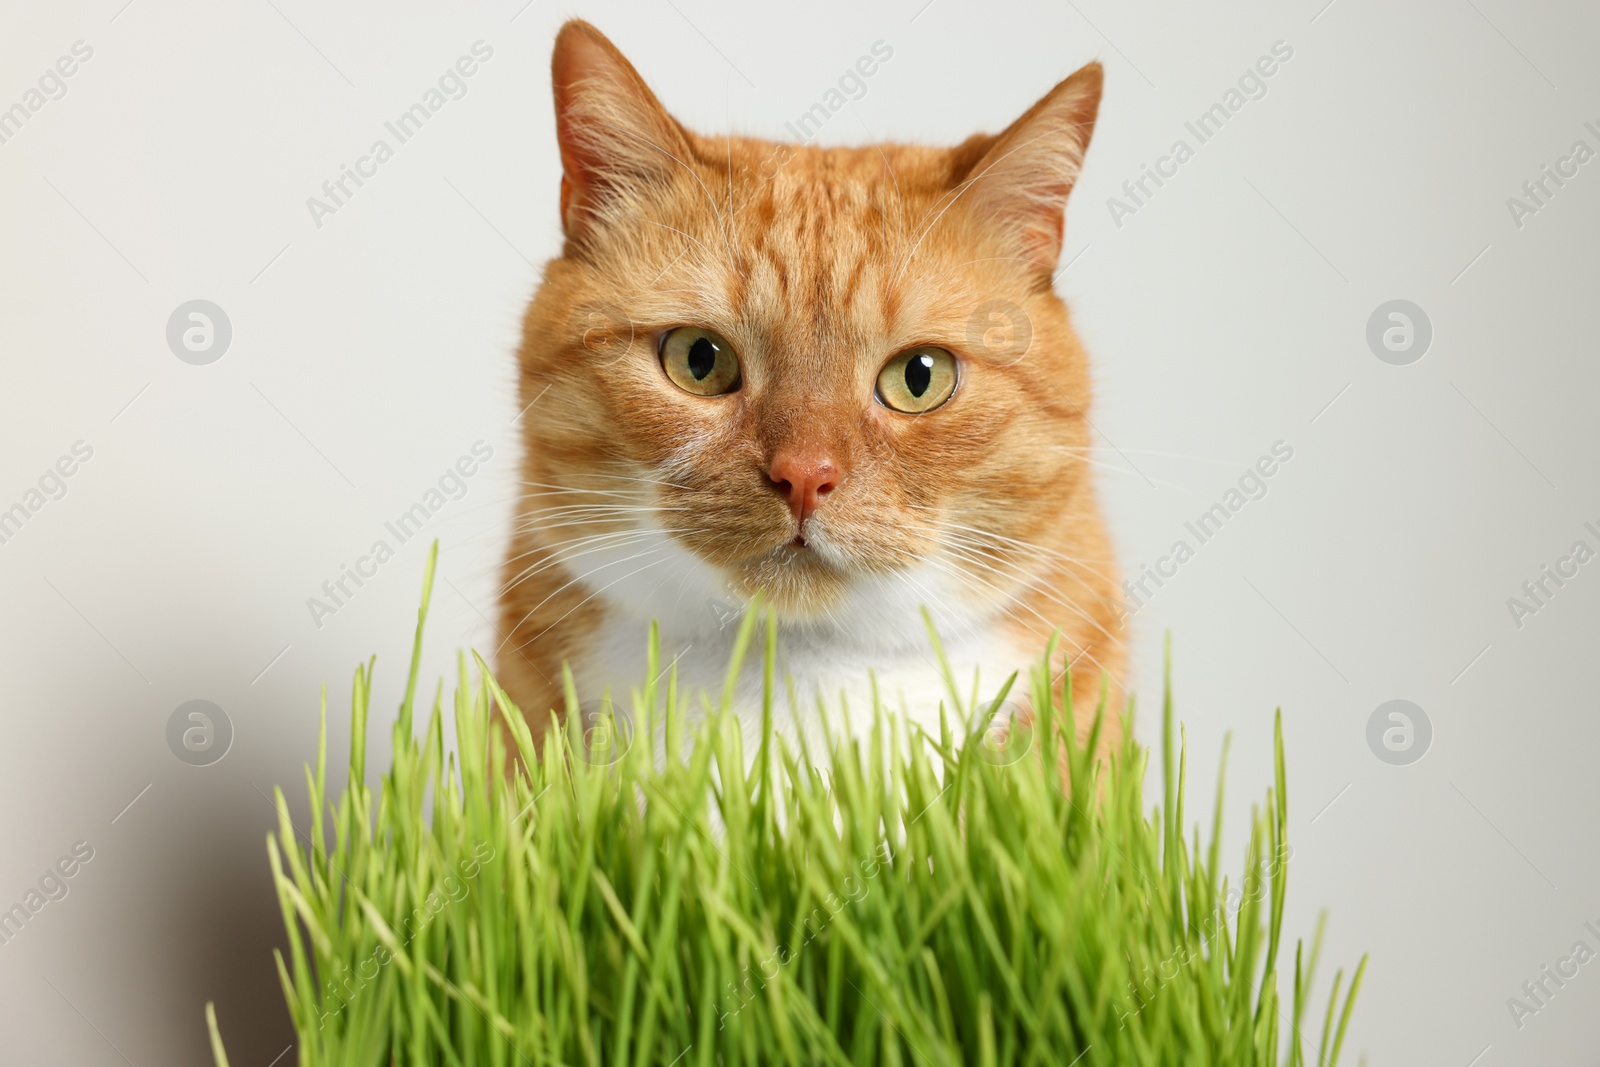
[[699, 361], [917, 380]]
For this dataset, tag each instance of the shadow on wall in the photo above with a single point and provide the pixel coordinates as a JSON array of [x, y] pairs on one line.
[[205, 919], [223, 934]]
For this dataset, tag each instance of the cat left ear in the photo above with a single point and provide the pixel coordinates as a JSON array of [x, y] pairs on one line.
[[1021, 182], [617, 141]]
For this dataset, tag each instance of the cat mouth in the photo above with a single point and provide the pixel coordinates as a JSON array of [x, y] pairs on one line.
[[801, 573], [801, 550]]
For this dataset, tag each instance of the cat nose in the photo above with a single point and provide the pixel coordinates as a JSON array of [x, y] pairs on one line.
[[804, 478]]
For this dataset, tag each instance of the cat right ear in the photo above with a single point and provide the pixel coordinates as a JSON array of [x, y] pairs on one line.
[[617, 141], [1020, 184]]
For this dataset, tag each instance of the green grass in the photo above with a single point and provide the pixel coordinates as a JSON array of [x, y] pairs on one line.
[[900, 900]]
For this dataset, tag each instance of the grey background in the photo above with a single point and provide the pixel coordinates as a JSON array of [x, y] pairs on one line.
[[1228, 313]]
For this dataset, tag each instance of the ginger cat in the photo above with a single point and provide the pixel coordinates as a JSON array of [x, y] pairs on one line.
[[839, 376]]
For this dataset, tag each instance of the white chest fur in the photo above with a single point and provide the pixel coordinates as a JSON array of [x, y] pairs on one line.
[[877, 634]]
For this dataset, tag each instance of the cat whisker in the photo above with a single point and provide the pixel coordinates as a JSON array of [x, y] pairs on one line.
[[546, 489], [957, 535], [1005, 553], [1049, 626], [545, 527], [934, 604], [1152, 452], [602, 589], [551, 488], [573, 548], [1135, 472], [622, 532], [638, 478], [998, 558], [546, 561], [1027, 546], [598, 511], [1026, 579], [569, 583], [952, 621], [594, 506], [1034, 585]]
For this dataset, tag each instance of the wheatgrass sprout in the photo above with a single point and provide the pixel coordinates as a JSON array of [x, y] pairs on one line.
[[896, 899]]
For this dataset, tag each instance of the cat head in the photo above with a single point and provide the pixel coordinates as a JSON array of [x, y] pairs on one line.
[[822, 373]]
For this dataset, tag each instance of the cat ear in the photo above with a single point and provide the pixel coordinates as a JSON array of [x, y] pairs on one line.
[[616, 139], [1022, 180]]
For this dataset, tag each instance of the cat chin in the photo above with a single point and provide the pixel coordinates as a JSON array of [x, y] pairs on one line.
[[798, 583]]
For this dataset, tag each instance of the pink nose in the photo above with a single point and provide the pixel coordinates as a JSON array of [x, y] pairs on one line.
[[804, 478]]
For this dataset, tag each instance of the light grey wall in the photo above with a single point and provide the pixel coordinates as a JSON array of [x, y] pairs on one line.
[[1228, 312]]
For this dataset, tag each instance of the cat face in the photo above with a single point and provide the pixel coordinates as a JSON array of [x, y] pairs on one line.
[[814, 372]]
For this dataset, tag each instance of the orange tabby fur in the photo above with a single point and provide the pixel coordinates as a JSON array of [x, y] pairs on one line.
[[818, 265]]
